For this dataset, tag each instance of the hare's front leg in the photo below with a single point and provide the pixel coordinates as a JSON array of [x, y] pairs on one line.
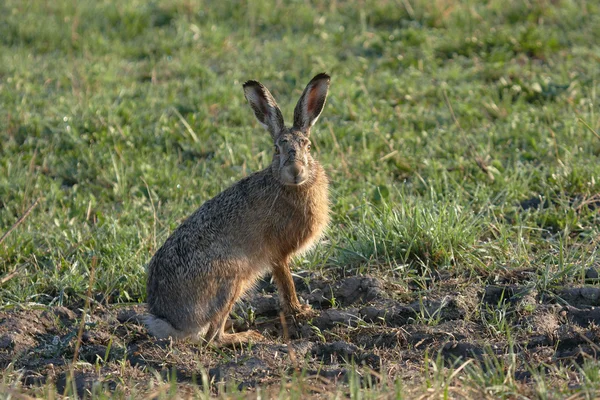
[[287, 291]]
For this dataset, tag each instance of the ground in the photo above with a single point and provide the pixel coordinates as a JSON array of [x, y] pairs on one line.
[[462, 143], [364, 332]]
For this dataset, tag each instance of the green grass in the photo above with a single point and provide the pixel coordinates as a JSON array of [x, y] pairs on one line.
[[443, 117]]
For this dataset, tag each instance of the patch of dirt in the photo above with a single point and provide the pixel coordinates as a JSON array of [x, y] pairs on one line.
[[359, 323]]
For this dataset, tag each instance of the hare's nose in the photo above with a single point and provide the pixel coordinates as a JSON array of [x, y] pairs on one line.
[[296, 169]]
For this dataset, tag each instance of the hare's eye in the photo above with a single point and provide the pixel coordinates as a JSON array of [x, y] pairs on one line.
[[276, 149], [308, 146]]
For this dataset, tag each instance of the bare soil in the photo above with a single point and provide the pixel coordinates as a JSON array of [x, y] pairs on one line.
[[362, 322]]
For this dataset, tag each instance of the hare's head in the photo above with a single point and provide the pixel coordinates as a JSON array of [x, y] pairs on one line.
[[292, 162]]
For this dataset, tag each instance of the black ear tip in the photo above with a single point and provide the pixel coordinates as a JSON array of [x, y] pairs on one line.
[[321, 76], [251, 83]]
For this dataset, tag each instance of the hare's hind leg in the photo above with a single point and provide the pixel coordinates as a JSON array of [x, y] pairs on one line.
[[216, 329]]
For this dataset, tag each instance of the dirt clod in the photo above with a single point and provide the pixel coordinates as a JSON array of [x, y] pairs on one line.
[[583, 317], [464, 350], [343, 352], [581, 296]]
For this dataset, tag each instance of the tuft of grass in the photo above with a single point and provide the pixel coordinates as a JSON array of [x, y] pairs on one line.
[[410, 232]]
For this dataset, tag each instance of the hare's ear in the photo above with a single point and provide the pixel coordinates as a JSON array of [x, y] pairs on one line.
[[311, 102], [264, 106]]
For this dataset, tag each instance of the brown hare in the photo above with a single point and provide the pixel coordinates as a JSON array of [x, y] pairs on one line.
[[255, 226]]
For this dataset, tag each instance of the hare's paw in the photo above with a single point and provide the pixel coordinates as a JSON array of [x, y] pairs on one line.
[[232, 339], [304, 311], [255, 336]]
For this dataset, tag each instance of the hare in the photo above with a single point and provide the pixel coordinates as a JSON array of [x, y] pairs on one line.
[[255, 226]]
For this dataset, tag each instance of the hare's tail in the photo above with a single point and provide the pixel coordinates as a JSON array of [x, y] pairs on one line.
[[161, 329]]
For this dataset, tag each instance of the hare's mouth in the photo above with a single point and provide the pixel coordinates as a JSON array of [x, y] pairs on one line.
[[296, 181]]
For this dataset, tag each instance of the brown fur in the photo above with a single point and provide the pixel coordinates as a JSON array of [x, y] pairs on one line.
[[253, 227]]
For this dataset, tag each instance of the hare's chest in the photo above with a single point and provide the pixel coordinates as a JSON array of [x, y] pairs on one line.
[[303, 229]]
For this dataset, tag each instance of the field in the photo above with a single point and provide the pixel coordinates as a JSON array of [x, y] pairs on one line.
[[462, 141]]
